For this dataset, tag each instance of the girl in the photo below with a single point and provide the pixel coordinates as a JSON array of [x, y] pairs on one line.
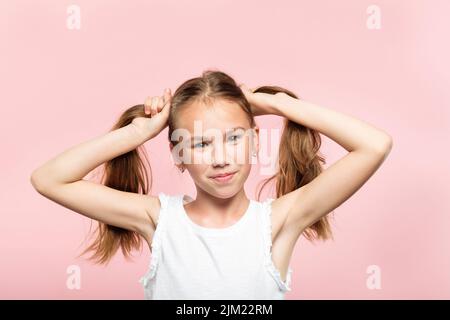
[[220, 245]]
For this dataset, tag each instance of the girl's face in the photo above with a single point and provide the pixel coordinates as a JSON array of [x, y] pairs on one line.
[[216, 140]]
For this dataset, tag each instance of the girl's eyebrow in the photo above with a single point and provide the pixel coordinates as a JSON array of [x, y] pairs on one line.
[[206, 138]]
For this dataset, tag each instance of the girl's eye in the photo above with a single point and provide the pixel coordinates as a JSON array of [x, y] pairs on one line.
[[199, 144], [237, 137]]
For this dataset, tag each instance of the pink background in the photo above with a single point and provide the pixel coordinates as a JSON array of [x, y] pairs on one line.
[[62, 86]]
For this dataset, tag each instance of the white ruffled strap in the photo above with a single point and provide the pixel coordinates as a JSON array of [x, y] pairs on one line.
[[267, 225], [156, 240]]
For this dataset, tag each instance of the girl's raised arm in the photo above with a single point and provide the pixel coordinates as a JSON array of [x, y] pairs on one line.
[[368, 147], [61, 178]]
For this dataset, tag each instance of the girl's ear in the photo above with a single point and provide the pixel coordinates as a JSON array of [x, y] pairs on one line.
[[180, 165]]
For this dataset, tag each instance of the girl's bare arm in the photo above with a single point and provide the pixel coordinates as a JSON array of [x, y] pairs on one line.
[[61, 180], [368, 147]]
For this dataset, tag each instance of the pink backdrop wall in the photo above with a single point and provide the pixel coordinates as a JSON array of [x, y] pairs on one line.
[[61, 86]]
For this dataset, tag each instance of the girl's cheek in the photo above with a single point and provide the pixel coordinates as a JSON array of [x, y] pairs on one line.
[[240, 154], [201, 157]]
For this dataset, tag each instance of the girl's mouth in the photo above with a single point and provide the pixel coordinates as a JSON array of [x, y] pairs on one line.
[[224, 179]]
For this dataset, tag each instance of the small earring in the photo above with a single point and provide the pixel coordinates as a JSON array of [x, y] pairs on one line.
[[254, 154]]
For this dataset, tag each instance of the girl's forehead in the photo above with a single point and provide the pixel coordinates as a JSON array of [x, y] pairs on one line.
[[222, 117]]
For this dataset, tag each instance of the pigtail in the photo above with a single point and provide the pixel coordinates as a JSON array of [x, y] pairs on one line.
[[126, 172], [299, 162]]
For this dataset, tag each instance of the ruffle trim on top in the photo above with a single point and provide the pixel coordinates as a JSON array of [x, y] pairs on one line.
[[267, 213], [156, 241]]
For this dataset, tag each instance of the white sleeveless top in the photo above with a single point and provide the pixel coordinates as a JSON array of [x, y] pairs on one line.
[[189, 261]]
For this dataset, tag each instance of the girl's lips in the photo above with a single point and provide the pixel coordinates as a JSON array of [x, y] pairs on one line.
[[224, 179]]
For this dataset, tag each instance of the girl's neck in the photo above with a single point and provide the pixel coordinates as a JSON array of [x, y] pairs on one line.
[[214, 211]]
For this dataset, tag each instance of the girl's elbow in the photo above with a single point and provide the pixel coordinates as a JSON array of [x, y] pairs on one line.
[[35, 181], [384, 144], [39, 181], [387, 144]]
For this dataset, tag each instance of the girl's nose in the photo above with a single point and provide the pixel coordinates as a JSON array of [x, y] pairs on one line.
[[219, 155]]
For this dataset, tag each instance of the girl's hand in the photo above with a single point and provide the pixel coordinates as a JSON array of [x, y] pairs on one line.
[[261, 103], [157, 110]]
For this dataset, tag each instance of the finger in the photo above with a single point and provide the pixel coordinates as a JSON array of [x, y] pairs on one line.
[[167, 95], [160, 104], [147, 105], [153, 109], [246, 89], [165, 111]]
